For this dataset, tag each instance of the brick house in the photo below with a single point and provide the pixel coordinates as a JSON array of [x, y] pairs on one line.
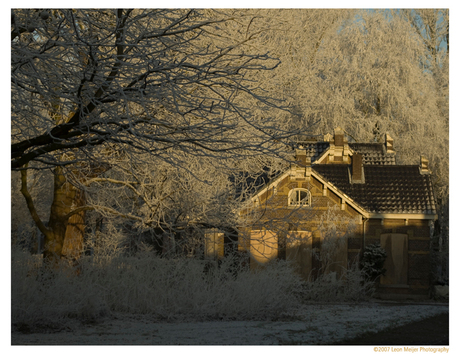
[[335, 199]]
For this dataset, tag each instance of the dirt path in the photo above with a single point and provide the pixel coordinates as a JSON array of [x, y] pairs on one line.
[[430, 331]]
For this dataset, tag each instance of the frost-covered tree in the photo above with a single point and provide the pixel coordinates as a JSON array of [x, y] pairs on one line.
[[104, 93], [335, 230], [89, 86], [175, 203], [432, 26], [299, 38], [370, 72]]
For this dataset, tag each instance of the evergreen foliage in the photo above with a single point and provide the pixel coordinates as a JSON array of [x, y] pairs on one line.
[[373, 260]]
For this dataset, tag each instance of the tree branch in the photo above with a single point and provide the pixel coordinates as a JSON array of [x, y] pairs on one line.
[[30, 204], [78, 210]]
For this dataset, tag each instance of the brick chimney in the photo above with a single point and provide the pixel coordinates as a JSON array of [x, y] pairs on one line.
[[424, 166], [301, 157], [338, 137], [302, 165], [389, 144], [339, 150], [357, 170]]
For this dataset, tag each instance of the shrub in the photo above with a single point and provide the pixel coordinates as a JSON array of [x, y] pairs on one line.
[[372, 262], [350, 286], [148, 284]]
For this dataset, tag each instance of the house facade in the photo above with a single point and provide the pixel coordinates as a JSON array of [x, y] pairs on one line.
[[337, 198]]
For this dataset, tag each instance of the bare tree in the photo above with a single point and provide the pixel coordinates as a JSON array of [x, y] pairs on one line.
[[90, 86], [372, 72], [300, 39], [432, 27], [369, 72], [176, 90]]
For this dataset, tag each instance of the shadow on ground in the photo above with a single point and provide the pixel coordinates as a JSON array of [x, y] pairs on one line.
[[430, 331]]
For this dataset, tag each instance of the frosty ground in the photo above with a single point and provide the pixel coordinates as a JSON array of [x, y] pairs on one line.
[[311, 324]]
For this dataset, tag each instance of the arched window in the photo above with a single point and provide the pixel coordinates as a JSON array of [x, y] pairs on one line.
[[299, 197]]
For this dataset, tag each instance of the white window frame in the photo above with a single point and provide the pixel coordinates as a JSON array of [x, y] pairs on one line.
[[306, 202]]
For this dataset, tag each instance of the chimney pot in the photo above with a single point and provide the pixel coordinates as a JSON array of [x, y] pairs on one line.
[[424, 165], [389, 144], [327, 137]]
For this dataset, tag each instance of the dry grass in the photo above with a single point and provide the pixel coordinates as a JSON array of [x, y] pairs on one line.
[[166, 289], [146, 284]]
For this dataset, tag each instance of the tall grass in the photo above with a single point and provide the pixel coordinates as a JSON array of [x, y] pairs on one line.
[[147, 284], [181, 288], [350, 286]]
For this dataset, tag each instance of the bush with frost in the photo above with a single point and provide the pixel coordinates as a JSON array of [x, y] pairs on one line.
[[373, 261], [350, 286], [148, 284]]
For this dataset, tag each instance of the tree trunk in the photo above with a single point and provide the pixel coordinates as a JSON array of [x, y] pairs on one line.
[[63, 202], [64, 234], [75, 231]]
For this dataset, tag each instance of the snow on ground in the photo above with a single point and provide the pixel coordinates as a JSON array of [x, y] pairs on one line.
[[311, 324]]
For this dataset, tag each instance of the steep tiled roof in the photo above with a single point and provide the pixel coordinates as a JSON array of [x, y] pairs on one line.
[[387, 189], [314, 150], [373, 153]]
